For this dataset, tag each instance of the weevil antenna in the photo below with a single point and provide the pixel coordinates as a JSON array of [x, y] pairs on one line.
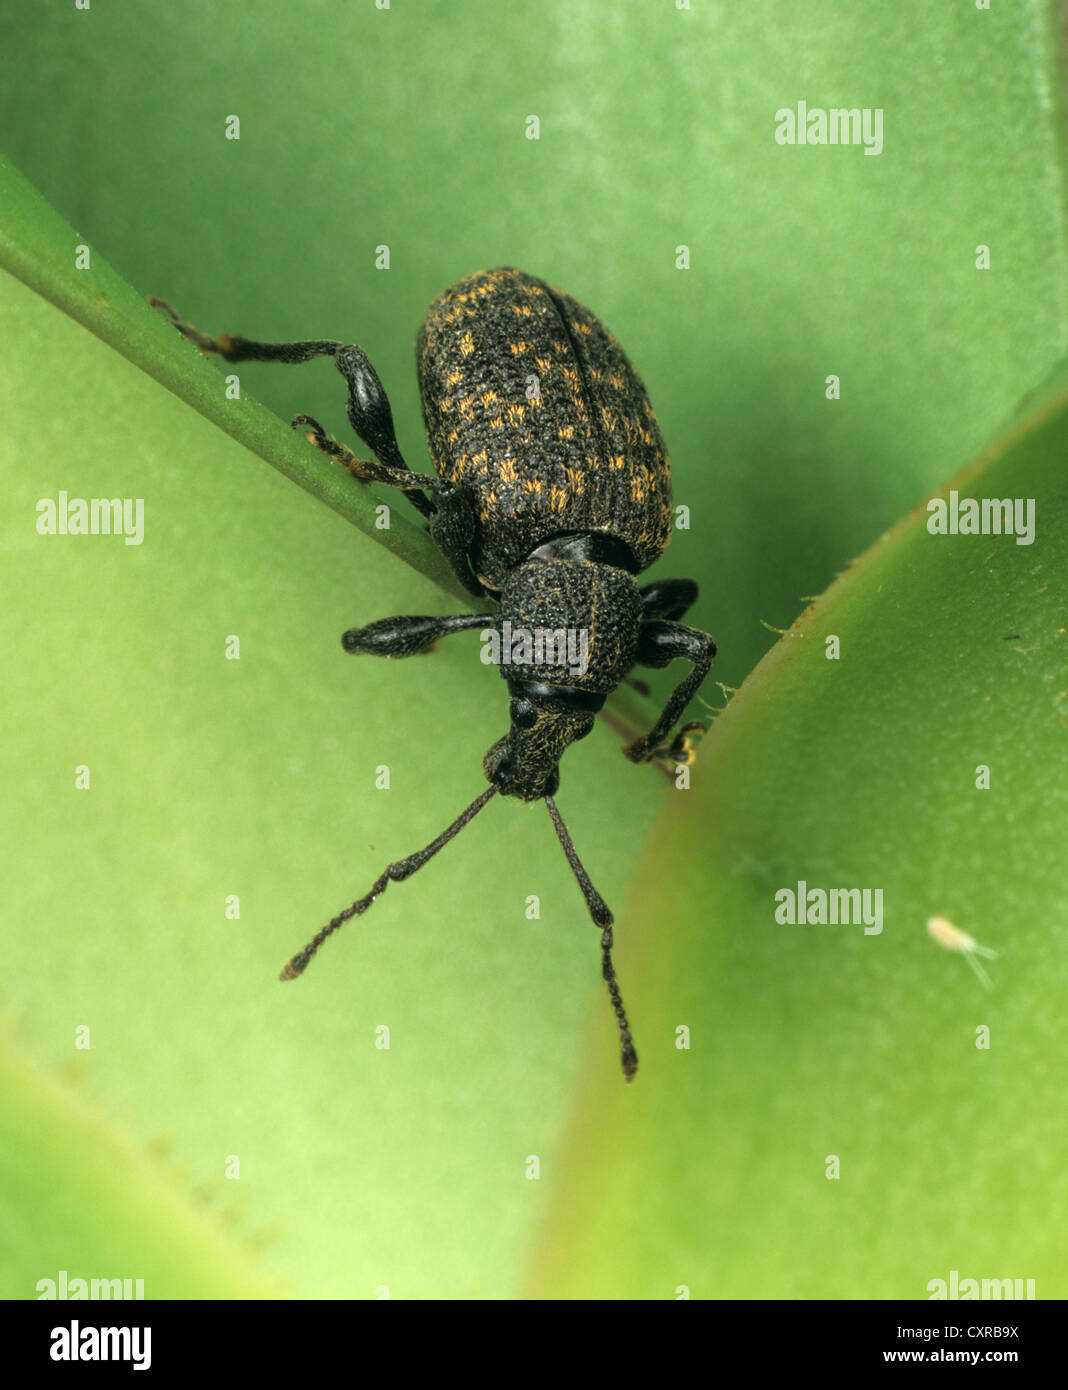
[[402, 869], [598, 908], [600, 913]]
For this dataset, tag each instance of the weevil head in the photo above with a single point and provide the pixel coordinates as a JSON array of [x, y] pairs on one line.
[[526, 762], [566, 634]]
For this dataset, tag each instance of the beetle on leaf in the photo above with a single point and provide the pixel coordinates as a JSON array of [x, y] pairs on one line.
[[550, 499]]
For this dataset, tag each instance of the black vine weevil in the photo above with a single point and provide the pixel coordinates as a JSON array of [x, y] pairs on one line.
[[553, 490]]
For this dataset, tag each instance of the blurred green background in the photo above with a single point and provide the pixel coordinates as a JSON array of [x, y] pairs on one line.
[[362, 1168]]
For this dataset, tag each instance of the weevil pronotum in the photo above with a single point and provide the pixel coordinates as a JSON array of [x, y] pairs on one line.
[[552, 492]]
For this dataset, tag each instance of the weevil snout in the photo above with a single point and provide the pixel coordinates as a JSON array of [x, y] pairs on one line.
[[525, 763], [515, 775]]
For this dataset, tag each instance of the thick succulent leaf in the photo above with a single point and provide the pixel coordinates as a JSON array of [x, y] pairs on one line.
[[927, 762], [408, 128]]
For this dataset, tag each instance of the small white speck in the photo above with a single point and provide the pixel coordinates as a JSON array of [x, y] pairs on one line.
[[952, 938]]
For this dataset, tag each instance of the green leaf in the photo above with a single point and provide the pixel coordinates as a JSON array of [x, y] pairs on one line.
[[256, 779], [808, 1042], [78, 1196], [39, 247], [408, 1167]]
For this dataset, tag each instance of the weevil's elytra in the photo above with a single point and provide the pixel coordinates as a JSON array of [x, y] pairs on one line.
[[552, 493], [581, 452]]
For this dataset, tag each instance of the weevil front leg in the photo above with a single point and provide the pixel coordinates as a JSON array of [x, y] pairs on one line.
[[659, 643], [408, 636]]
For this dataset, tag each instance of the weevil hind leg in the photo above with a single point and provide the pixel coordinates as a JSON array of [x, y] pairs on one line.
[[454, 529], [367, 470], [235, 349], [451, 511], [371, 418], [368, 406]]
